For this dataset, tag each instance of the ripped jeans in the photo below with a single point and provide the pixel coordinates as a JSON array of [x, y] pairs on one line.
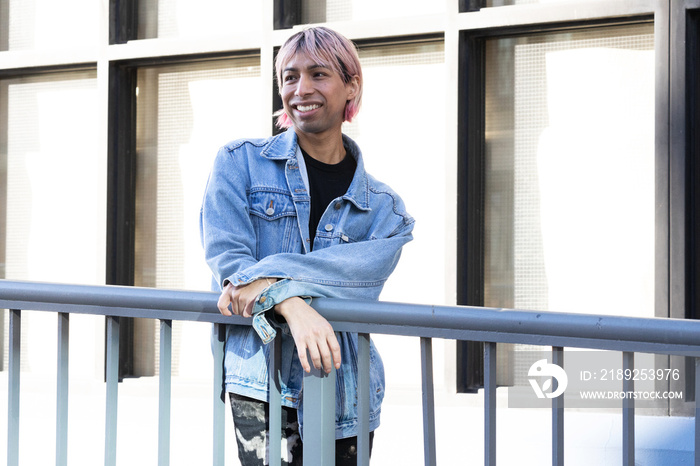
[[251, 420]]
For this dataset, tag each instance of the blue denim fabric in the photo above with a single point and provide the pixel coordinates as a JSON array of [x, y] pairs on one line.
[[254, 224]]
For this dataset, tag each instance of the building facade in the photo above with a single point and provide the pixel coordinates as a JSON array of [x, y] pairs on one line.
[[547, 149]]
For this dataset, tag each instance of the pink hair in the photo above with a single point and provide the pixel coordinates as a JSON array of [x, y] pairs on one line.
[[330, 49]]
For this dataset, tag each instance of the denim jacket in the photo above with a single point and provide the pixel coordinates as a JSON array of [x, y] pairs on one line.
[[254, 223]]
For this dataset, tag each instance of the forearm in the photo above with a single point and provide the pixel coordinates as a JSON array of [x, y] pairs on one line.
[[365, 264], [312, 333]]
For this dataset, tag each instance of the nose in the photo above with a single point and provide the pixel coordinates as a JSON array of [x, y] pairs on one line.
[[304, 86]]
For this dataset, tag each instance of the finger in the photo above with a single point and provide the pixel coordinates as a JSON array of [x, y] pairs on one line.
[[234, 304], [327, 358], [315, 356], [303, 359], [335, 350], [237, 300], [223, 303], [247, 311]]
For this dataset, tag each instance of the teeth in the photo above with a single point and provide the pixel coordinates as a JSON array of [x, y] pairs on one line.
[[307, 108]]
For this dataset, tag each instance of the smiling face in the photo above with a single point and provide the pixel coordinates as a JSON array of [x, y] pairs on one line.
[[314, 96]]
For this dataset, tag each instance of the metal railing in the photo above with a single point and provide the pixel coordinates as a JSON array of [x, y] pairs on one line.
[[624, 334]]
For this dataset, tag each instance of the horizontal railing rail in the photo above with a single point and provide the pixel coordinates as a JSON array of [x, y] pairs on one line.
[[558, 330]]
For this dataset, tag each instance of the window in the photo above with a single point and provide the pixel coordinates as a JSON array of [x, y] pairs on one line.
[[184, 18], [46, 24], [566, 179], [185, 112], [495, 3], [53, 179], [319, 11], [570, 172], [401, 132], [52, 200], [403, 157]]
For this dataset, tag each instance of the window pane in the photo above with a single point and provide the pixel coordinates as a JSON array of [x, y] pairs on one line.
[[53, 179], [185, 18], [492, 3], [185, 113], [570, 181], [381, 130], [46, 24], [320, 11], [402, 139], [52, 198]]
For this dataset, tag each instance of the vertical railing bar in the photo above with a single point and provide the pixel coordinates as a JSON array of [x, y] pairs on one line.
[[62, 389], [363, 347], [164, 391], [628, 410], [426, 358], [218, 397], [13, 388], [557, 413], [319, 417], [490, 404], [275, 402], [112, 387], [697, 411]]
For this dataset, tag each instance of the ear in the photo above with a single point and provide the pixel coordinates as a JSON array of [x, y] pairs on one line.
[[353, 87]]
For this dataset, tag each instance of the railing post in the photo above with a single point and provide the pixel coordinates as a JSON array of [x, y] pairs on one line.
[[112, 387], [275, 402], [557, 413], [363, 347], [13, 388], [164, 391], [62, 390], [426, 356], [219, 397], [697, 411], [628, 411], [319, 417], [490, 404]]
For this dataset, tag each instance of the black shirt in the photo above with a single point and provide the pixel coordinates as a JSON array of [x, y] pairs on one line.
[[326, 183]]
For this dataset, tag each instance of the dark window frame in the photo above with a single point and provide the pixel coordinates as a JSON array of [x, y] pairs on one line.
[[121, 198], [471, 157], [691, 112], [470, 201], [685, 127], [287, 13], [123, 21], [121, 183]]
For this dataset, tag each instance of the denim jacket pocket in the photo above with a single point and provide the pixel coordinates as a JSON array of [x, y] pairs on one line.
[[273, 212]]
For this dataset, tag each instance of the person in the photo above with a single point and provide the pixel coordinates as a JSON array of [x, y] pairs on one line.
[[290, 218]]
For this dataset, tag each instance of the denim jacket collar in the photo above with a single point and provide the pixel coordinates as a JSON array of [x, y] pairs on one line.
[[284, 147]]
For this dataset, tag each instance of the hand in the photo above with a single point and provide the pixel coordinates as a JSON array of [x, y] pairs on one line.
[[311, 332], [242, 298]]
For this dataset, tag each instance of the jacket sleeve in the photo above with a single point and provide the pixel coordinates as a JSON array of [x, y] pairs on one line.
[[351, 271], [226, 231], [348, 270], [356, 271]]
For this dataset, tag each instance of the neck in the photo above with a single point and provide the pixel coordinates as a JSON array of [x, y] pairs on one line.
[[326, 149]]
